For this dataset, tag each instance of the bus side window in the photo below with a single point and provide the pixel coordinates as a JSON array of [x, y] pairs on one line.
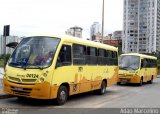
[[91, 57], [79, 53], [145, 63], [142, 63], [64, 57]]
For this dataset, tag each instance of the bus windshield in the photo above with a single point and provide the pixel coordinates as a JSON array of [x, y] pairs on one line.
[[129, 62], [34, 52]]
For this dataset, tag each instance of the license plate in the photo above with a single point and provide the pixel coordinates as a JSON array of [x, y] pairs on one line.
[[17, 88], [124, 80]]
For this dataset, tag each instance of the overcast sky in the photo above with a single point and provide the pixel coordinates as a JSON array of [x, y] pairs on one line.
[[30, 17]]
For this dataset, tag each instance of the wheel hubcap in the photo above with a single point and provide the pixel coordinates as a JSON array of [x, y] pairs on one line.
[[103, 90], [63, 95], [141, 82]]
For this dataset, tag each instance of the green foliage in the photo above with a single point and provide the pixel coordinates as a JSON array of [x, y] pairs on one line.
[[1, 63], [3, 58]]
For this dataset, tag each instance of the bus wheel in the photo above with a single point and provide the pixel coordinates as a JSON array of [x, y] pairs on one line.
[[62, 95], [102, 90], [118, 83], [151, 81], [141, 82]]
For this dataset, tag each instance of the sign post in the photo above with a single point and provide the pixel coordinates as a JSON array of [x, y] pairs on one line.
[[6, 31]]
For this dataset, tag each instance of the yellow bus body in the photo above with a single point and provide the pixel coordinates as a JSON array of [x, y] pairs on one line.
[[46, 85], [135, 76]]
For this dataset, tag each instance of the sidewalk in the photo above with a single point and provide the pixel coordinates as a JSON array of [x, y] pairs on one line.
[[2, 94]]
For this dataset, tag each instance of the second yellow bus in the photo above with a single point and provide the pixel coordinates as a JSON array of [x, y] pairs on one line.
[[137, 68]]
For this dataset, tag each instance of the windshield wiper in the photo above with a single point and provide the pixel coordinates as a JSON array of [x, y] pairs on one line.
[[23, 64], [127, 68], [123, 68], [13, 63], [41, 68], [32, 65]]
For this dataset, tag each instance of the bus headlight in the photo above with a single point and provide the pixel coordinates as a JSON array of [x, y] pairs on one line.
[[45, 74], [42, 79]]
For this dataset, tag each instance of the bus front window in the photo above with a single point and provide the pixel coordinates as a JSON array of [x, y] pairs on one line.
[[34, 52], [129, 62]]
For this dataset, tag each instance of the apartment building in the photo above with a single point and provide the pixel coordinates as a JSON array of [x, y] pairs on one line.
[[141, 26]]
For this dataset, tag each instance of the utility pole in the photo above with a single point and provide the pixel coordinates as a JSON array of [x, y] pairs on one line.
[[102, 20]]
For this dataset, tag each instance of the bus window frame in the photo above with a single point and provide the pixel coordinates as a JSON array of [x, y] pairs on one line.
[[64, 63]]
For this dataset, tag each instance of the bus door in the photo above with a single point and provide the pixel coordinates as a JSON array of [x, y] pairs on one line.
[[143, 68], [65, 71]]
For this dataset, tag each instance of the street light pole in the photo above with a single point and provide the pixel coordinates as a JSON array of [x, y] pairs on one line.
[[102, 20]]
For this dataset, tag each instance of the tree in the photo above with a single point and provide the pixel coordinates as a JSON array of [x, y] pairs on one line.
[[3, 56]]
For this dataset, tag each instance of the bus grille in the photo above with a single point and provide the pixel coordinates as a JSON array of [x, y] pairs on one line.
[[14, 79], [22, 80], [29, 80], [21, 91]]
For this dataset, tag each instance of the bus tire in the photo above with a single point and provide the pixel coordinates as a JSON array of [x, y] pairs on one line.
[[102, 90], [62, 95], [141, 82], [151, 81], [118, 83]]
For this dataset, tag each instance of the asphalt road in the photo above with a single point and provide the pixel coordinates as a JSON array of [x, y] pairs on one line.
[[123, 96]]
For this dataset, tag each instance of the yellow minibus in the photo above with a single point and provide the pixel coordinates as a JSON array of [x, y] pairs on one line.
[[55, 67], [137, 68]]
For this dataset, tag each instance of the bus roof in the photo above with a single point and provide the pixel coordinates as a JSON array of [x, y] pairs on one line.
[[141, 55], [71, 39]]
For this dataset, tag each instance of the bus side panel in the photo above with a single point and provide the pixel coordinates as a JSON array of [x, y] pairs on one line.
[[153, 73], [113, 75], [142, 73], [80, 78], [68, 75], [83, 78], [90, 78], [147, 74]]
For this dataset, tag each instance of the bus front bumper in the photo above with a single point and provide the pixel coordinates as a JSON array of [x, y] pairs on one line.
[[37, 90], [129, 79]]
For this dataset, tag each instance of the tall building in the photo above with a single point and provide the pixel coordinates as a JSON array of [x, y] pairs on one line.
[[8, 40], [95, 31], [141, 26], [75, 31], [117, 35]]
